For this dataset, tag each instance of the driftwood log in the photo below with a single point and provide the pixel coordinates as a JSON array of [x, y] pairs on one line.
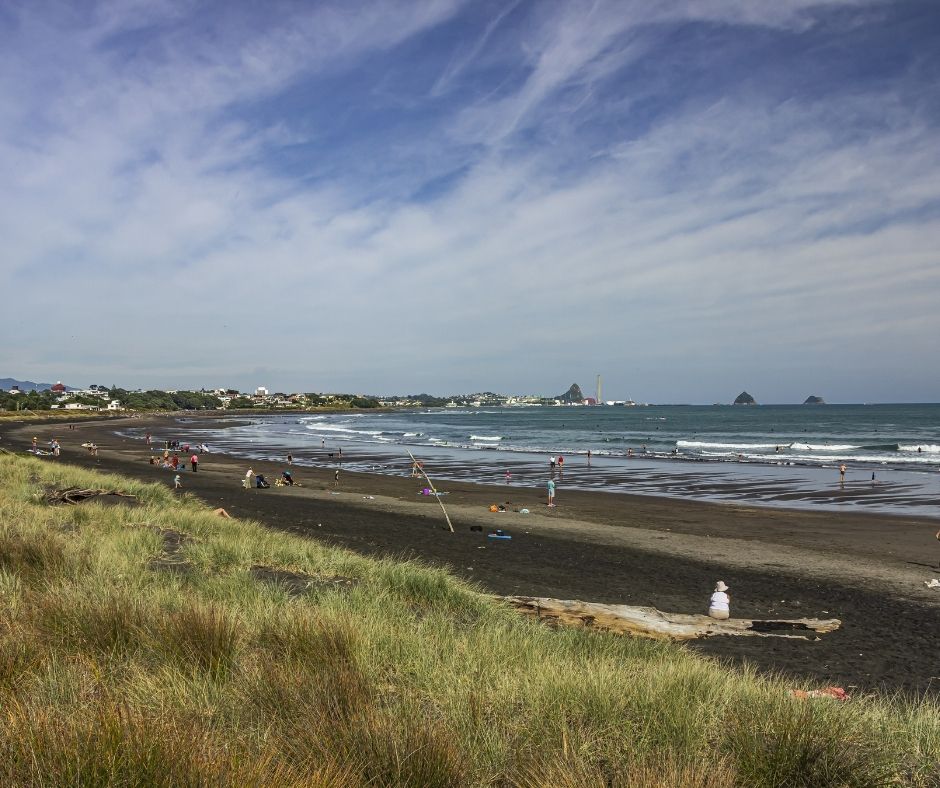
[[652, 623], [73, 495], [420, 467]]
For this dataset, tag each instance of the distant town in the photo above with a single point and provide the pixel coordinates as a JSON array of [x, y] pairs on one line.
[[25, 395]]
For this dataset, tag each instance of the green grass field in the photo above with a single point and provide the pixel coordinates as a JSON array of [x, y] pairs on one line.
[[159, 644]]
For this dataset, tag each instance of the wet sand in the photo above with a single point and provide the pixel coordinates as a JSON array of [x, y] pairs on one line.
[[868, 570]]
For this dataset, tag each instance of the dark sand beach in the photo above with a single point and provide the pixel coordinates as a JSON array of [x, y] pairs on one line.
[[867, 570]]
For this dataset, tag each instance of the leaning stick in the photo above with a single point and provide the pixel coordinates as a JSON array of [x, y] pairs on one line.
[[431, 485]]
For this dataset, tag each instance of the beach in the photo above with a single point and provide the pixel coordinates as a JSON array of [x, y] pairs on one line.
[[866, 569]]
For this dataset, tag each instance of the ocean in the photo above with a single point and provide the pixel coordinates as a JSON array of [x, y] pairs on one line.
[[785, 455]]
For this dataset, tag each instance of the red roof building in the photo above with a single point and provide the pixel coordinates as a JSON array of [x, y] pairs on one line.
[[58, 388]]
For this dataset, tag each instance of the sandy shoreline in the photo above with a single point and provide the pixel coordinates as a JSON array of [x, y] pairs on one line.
[[868, 570]]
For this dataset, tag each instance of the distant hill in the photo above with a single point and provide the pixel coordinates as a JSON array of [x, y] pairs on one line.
[[24, 385], [744, 399], [814, 400], [573, 394]]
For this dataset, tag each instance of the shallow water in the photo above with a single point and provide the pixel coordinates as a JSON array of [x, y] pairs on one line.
[[518, 441]]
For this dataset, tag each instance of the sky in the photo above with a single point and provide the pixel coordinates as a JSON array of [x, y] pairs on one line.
[[688, 197]]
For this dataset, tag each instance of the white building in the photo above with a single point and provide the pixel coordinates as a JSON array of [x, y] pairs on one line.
[[261, 391]]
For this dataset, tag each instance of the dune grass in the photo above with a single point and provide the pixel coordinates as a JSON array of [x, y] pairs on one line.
[[139, 647]]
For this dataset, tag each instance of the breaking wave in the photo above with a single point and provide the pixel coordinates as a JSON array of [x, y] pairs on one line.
[[739, 446], [921, 448]]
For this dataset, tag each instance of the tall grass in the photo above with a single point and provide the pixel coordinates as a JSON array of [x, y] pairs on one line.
[[120, 669]]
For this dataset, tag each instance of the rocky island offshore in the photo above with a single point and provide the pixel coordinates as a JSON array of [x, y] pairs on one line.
[[814, 400]]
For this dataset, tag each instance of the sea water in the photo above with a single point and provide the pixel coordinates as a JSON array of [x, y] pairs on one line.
[[778, 455]]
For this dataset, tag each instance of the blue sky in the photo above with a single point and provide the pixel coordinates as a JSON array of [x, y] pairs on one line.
[[690, 198]]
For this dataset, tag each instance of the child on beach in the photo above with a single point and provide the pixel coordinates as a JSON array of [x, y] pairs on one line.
[[177, 482], [719, 606]]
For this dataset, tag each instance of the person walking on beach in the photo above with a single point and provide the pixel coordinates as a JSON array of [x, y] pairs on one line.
[[177, 482], [551, 463], [719, 606], [246, 483], [842, 474], [336, 478], [551, 492], [290, 459], [194, 462], [561, 463], [589, 458]]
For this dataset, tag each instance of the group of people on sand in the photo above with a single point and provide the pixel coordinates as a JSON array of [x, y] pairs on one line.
[[54, 447], [173, 462], [259, 480]]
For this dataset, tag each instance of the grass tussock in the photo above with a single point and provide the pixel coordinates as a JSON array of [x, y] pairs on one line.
[[144, 646], [201, 637]]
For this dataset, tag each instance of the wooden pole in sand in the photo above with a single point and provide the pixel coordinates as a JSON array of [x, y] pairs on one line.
[[420, 467]]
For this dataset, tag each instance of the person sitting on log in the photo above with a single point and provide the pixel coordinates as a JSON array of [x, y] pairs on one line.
[[719, 606]]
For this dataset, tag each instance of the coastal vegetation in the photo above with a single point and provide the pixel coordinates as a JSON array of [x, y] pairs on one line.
[[47, 400], [153, 641], [154, 400], [165, 400]]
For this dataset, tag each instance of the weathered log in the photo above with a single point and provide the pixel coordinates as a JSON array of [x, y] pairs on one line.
[[74, 495], [420, 467], [652, 623]]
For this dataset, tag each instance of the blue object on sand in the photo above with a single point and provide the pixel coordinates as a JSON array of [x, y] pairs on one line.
[[498, 534]]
